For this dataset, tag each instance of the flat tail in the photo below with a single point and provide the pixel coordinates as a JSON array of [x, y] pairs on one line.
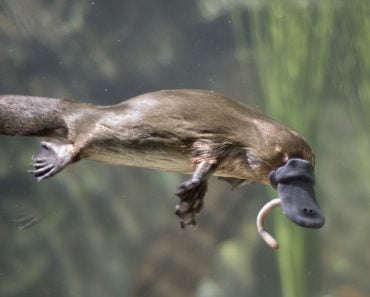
[[31, 116]]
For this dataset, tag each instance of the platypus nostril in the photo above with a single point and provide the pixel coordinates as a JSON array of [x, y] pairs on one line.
[[308, 211]]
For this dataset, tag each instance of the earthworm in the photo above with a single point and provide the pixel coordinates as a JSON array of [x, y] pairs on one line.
[[265, 210]]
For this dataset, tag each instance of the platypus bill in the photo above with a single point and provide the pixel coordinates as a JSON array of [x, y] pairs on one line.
[[188, 131]]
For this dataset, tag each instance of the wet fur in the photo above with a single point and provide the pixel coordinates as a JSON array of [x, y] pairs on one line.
[[167, 130]]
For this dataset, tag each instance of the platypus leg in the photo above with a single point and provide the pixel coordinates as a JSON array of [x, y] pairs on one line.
[[52, 158], [192, 193]]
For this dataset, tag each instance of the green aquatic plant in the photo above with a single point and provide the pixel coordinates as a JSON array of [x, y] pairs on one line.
[[291, 46]]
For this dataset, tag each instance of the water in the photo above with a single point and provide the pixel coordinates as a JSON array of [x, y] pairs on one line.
[[111, 231]]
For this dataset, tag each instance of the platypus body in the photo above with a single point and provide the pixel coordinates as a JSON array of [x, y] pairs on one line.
[[188, 131]]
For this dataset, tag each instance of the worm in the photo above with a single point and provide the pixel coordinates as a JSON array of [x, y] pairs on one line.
[[265, 210]]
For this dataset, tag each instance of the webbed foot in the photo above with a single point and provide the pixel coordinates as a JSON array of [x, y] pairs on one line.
[[53, 157], [191, 194]]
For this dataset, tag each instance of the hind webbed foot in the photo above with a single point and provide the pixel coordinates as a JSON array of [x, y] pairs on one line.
[[191, 194], [52, 158]]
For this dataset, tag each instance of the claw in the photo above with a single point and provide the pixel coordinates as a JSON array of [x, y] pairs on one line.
[[39, 170], [52, 158], [186, 214], [191, 194], [40, 161], [265, 210]]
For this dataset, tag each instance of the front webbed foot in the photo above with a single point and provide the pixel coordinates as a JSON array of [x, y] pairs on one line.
[[52, 158], [191, 194]]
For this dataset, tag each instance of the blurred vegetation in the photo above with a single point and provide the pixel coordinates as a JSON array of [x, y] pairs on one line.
[[292, 52], [109, 231]]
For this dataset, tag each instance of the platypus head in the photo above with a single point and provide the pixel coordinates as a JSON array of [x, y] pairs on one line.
[[294, 182]]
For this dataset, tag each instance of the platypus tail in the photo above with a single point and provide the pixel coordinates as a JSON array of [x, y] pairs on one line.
[[34, 116]]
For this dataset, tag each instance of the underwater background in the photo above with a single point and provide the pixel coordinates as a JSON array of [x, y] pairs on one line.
[[111, 231]]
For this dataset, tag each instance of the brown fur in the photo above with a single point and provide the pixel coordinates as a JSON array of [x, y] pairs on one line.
[[167, 130]]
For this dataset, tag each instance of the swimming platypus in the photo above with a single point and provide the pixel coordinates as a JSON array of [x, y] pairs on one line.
[[187, 131]]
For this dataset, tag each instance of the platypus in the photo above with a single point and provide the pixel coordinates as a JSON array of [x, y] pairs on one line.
[[195, 132]]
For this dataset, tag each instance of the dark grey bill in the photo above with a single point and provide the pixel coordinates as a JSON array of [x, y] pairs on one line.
[[295, 183]]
